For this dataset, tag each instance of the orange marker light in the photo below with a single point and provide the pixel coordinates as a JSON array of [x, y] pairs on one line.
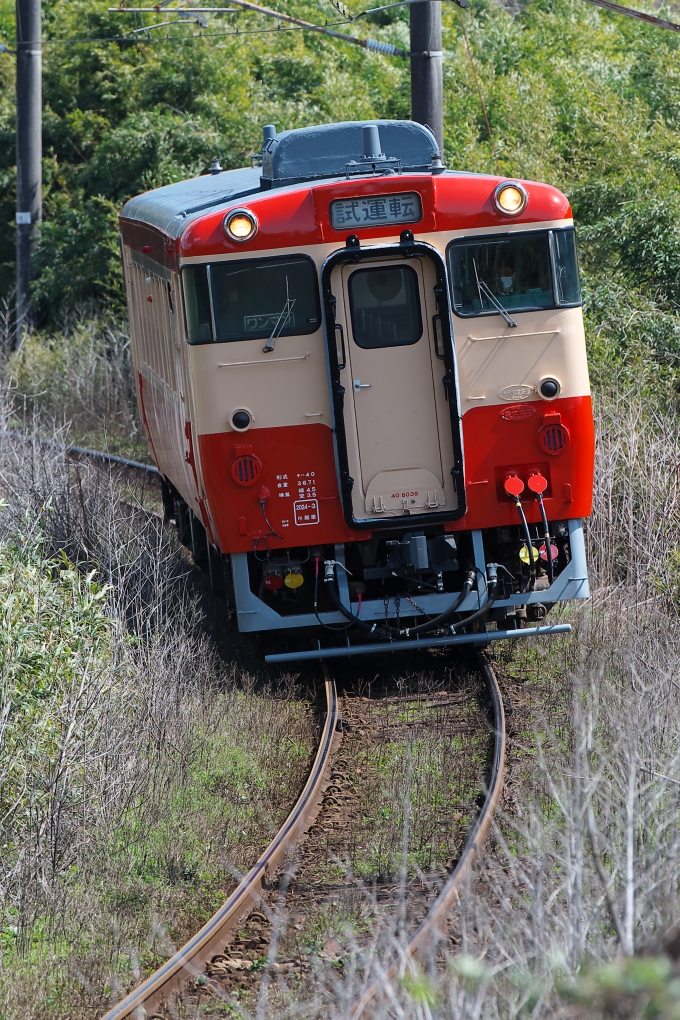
[[510, 198], [240, 225]]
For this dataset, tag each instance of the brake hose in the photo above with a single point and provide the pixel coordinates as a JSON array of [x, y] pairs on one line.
[[538, 484], [444, 617], [383, 630], [514, 487]]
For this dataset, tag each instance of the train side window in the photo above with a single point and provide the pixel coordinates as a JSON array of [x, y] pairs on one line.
[[566, 267], [385, 307], [252, 298], [511, 269], [197, 304]]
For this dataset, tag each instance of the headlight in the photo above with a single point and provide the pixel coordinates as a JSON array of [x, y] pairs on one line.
[[240, 225], [510, 198]]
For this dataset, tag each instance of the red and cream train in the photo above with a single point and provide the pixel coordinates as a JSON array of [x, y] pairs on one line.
[[363, 378]]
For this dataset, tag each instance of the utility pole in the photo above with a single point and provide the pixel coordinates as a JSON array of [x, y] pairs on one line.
[[426, 67], [29, 151]]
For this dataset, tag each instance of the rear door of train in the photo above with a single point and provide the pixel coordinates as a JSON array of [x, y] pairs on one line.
[[397, 419]]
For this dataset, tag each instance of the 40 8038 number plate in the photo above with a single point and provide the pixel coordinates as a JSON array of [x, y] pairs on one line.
[[375, 210]]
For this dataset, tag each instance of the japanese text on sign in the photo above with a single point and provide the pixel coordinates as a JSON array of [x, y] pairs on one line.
[[370, 212], [306, 511]]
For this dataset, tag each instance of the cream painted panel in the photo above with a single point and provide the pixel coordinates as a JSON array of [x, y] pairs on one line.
[[550, 342], [395, 416], [493, 357], [485, 366], [287, 387], [155, 336]]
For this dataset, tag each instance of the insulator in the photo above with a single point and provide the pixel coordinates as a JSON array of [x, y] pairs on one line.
[[384, 47]]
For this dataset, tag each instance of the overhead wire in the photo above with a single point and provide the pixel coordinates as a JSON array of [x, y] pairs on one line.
[[300, 26], [387, 49], [632, 13]]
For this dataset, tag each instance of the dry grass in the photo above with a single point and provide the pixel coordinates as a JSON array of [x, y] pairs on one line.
[[584, 863], [81, 378], [139, 771], [584, 866]]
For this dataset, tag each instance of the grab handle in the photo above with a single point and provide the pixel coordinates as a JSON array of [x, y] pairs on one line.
[[338, 325], [435, 319]]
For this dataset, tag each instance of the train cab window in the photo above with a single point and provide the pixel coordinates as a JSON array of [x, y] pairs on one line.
[[248, 299], [385, 307], [566, 267], [251, 299], [197, 304], [522, 272]]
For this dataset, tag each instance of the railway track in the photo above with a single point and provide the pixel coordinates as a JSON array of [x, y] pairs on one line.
[[185, 972], [189, 962], [186, 969]]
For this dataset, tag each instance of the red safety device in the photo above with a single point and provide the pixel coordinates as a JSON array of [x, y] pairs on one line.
[[537, 483], [273, 582], [514, 486], [554, 552]]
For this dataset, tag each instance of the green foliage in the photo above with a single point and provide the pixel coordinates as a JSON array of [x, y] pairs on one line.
[[124, 116], [79, 258], [54, 641], [644, 987]]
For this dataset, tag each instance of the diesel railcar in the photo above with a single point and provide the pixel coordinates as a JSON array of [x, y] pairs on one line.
[[363, 379]]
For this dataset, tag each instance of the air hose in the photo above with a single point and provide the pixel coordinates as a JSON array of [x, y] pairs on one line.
[[384, 629], [538, 484], [444, 617], [514, 487]]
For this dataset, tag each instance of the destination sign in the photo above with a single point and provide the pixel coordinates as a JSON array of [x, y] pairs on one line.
[[375, 210]]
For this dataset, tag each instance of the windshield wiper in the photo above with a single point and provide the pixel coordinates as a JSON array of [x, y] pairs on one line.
[[281, 322], [485, 290]]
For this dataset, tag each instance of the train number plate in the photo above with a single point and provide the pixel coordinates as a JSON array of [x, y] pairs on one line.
[[375, 210], [306, 511]]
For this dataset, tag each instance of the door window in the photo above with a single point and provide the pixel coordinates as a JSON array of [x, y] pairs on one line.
[[385, 307]]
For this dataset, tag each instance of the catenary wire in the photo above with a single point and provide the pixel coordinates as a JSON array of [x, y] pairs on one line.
[[385, 48]]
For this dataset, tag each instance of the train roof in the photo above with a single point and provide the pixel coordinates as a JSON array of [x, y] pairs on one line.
[[303, 155], [170, 208]]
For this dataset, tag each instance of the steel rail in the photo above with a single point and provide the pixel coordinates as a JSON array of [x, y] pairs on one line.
[[433, 925], [82, 451], [189, 962]]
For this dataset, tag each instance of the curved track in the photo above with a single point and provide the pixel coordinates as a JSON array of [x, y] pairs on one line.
[[154, 994], [434, 923], [190, 961]]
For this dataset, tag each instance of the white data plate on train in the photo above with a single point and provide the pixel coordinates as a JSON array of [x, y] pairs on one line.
[[375, 209]]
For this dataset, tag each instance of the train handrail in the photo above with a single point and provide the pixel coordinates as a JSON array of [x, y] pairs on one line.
[[190, 959], [451, 892]]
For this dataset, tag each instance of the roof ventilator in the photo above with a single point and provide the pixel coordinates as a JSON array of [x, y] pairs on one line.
[[373, 160]]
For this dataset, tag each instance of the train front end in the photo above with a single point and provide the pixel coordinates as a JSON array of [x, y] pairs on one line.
[[375, 410]]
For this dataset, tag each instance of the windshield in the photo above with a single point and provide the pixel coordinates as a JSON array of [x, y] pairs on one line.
[[516, 272], [251, 300]]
